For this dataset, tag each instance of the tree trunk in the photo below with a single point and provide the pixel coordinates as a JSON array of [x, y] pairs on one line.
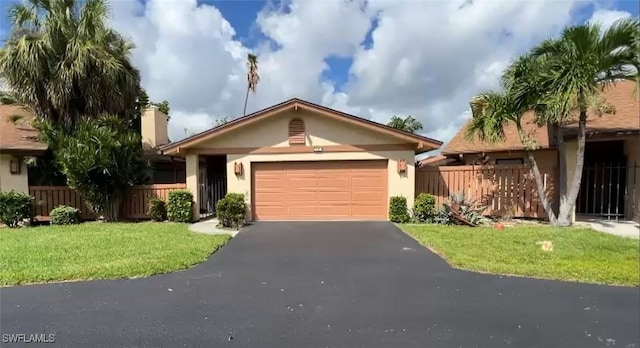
[[562, 161], [565, 214], [544, 199], [541, 189], [246, 99], [112, 208]]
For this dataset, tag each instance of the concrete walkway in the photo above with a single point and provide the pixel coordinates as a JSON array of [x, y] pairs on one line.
[[210, 226], [621, 228]]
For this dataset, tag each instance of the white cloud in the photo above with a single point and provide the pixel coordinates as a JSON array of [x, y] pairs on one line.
[[606, 17], [428, 58]]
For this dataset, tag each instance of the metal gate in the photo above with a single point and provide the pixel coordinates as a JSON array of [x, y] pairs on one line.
[[608, 190], [212, 189]]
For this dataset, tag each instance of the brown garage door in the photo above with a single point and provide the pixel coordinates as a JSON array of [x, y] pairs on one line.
[[323, 190]]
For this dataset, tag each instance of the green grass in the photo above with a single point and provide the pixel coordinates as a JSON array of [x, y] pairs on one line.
[[579, 254], [100, 251]]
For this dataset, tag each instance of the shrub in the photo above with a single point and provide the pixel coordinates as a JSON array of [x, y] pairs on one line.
[[157, 209], [467, 208], [398, 211], [15, 207], [180, 206], [64, 215], [424, 208], [231, 210]]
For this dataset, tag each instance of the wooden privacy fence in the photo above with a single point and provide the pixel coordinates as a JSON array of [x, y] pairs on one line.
[[135, 203], [504, 189]]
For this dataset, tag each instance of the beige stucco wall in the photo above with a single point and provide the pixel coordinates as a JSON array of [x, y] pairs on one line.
[[154, 128], [632, 151], [8, 181], [320, 131]]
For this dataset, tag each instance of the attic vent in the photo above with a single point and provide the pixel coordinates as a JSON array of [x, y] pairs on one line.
[[296, 132]]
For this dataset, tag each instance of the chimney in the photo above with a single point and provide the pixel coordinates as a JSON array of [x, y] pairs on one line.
[[154, 126]]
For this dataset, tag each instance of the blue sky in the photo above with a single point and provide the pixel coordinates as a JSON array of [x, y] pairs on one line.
[[242, 15], [428, 59]]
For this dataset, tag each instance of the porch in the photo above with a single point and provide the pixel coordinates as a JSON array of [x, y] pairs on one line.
[[609, 189], [209, 175]]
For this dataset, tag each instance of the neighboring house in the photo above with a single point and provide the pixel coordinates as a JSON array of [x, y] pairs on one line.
[[611, 177], [301, 161], [18, 140]]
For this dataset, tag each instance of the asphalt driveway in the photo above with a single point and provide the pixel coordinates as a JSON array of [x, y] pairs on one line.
[[320, 284]]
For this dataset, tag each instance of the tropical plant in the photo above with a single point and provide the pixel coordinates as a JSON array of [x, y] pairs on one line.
[[63, 62], [15, 207], [408, 124], [469, 209], [100, 159], [163, 106], [220, 121], [559, 81], [252, 78]]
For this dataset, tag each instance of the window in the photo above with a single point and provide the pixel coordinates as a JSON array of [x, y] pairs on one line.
[[510, 161], [296, 132]]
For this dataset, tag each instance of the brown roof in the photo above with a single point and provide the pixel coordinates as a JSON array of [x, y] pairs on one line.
[[626, 118], [422, 143], [436, 160], [16, 132]]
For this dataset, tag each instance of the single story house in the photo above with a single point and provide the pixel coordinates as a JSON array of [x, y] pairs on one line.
[[19, 140], [300, 161], [611, 175]]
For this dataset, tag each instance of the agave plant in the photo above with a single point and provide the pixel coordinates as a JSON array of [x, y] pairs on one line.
[[464, 210]]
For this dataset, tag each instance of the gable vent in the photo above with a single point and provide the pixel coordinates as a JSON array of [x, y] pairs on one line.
[[296, 132]]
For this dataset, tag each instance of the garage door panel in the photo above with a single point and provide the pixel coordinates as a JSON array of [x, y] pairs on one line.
[[271, 183], [367, 197], [335, 182], [301, 182], [301, 210], [367, 212], [362, 182], [302, 196], [341, 197], [270, 197], [320, 190], [343, 211]]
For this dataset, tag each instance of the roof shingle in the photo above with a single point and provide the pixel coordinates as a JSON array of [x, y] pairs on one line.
[[626, 118], [16, 132]]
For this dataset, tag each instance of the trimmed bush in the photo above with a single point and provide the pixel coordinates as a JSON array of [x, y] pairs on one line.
[[157, 209], [64, 215], [231, 210], [15, 207], [424, 208], [398, 211], [180, 206]]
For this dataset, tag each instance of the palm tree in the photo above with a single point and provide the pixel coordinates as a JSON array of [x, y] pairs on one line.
[[558, 79], [408, 124], [252, 77], [62, 61]]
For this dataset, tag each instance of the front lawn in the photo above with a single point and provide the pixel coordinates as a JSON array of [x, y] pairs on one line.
[[579, 254], [100, 251]]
